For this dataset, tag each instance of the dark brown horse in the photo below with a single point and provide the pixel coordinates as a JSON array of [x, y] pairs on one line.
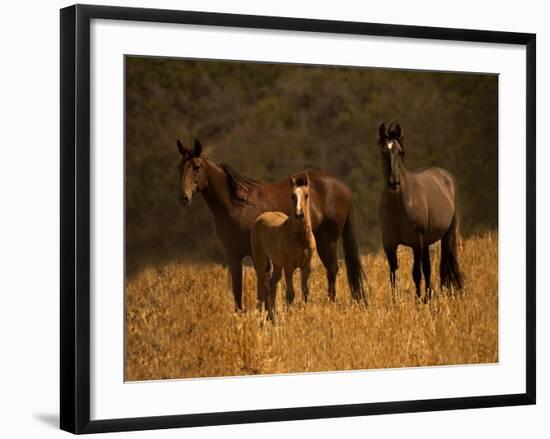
[[236, 201], [417, 209]]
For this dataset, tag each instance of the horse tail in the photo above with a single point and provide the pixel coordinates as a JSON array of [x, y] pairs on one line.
[[449, 271], [354, 269]]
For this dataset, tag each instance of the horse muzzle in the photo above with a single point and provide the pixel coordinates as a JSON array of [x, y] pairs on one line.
[[186, 200], [299, 215], [394, 186]]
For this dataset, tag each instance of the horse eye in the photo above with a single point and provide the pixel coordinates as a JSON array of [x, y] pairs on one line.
[[196, 167]]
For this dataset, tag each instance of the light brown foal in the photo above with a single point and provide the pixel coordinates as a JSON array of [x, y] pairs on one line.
[[285, 241]]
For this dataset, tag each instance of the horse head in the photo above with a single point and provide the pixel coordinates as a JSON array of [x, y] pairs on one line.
[[299, 186], [192, 172], [393, 153]]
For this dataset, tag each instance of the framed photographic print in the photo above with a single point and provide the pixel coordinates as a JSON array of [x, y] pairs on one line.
[[268, 218]]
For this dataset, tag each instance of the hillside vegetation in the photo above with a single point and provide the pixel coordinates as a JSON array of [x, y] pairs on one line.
[[268, 121]]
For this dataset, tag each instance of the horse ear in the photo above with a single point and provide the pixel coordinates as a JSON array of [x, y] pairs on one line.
[[305, 181], [382, 134], [181, 148], [292, 181], [398, 131], [197, 151]]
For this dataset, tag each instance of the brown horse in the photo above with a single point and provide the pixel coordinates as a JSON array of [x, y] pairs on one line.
[[236, 201], [417, 209], [285, 241]]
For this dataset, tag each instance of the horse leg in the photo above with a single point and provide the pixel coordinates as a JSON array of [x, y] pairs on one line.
[[271, 292], [290, 294], [417, 267], [391, 256], [275, 277], [236, 269], [260, 291], [427, 269], [305, 272], [326, 248], [332, 270], [262, 267]]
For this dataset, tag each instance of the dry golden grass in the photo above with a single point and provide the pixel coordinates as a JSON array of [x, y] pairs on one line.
[[180, 321]]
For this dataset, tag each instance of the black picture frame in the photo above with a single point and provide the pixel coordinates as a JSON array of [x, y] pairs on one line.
[[75, 217]]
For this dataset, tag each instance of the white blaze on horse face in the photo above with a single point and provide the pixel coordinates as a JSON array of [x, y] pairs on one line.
[[390, 145], [298, 207]]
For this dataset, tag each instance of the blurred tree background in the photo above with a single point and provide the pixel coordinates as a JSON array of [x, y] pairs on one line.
[[270, 120]]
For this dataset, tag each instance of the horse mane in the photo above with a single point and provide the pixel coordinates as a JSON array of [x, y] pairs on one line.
[[238, 184]]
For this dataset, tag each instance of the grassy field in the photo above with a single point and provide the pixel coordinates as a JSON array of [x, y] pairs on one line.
[[180, 321]]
